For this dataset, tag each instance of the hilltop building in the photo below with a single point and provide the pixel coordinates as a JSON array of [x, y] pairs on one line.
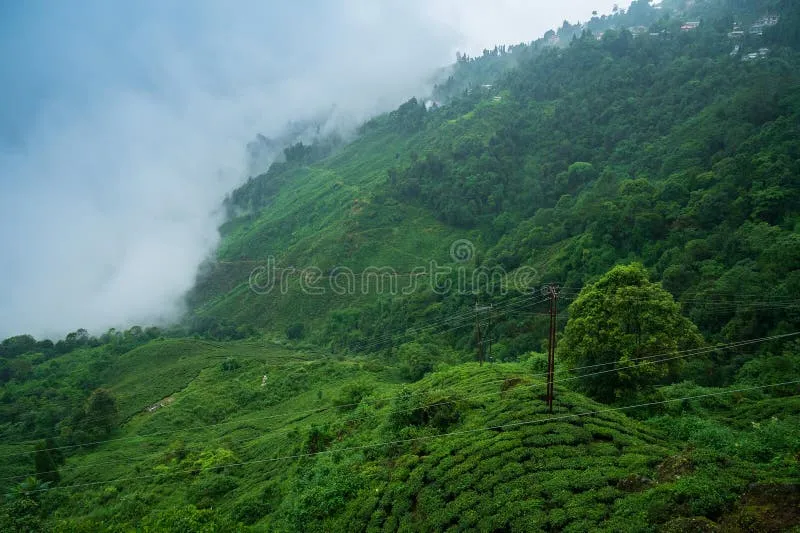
[[754, 56], [764, 22], [736, 32]]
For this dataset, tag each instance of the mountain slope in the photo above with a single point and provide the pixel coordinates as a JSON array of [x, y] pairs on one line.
[[662, 149], [280, 408]]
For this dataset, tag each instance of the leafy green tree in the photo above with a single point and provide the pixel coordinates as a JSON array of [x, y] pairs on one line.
[[317, 439], [14, 346], [415, 360], [46, 459], [230, 364], [616, 322], [101, 411], [437, 409], [351, 395], [297, 153]]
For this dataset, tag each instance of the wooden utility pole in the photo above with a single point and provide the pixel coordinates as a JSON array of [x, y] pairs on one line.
[[552, 290], [479, 334], [478, 340], [489, 340]]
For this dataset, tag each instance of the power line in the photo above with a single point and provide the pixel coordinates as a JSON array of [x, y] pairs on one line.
[[696, 351], [692, 351], [467, 316], [422, 438], [686, 353], [474, 396]]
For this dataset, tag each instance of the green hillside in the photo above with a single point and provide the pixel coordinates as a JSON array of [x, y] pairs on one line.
[[343, 444], [665, 149], [325, 377]]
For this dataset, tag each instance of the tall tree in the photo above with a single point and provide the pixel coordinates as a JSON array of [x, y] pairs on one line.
[[617, 322], [101, 411], [46, 459]]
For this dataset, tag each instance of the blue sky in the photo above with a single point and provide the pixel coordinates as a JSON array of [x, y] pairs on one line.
[[123, 125]]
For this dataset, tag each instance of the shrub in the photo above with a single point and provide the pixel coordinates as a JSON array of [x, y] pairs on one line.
[[208, 487], [537, 362], [187, 518], [416, 360], [709, 493], [317, 439], [251, 510], [322, 491], [20, 514], [295, 331], [351, 395], [769, 439], [230, 364], [100, 413], [767, 370], [435, 409]]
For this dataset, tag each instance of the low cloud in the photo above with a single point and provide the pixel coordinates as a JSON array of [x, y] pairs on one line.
[[125, 127]]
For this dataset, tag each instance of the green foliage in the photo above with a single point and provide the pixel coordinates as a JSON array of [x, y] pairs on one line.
[[251, 510], [210, 486], [20, 515], [660, 149], [409, 116], [16, 346], [230, 364], [213, 460], [436, 409], [31, 488], [415, 360], [768, 369], [319, 493], [537, 362], [101, 412], [617, 326], [351, 395], [566, 473], [295, 331], [46, 459], [188, 518], [317, 439]]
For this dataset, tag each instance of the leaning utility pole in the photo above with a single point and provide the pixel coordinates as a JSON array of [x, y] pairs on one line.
[[552, 290]]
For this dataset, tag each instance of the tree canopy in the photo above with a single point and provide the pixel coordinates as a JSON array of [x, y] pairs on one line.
[[625, 329]]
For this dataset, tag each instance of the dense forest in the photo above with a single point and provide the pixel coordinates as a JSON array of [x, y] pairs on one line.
[[647, 165]]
